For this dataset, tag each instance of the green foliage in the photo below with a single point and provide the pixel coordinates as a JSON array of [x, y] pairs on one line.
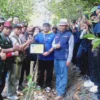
[[95, 40], [89, 36], [20, 8], [26, 89], [31, 87], [71, 9], [65, 8], [30, 82], [96, 43], [94, 9]]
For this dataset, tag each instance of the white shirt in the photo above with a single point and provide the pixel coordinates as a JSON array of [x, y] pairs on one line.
[[14, 40]]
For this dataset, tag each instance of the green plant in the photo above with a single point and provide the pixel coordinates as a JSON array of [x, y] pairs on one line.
[[95, 40], [21, 8], [31, 87]]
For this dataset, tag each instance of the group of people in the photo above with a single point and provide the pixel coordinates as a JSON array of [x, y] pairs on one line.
[[85, 57], [62, 45], [15, 56]]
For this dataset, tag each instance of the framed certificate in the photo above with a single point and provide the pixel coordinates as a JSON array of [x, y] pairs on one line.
[[37, 48]]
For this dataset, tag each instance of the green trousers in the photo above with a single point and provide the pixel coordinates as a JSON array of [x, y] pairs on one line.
[[13, 80]]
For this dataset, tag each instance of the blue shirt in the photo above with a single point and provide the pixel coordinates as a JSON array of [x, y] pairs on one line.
[[47, 40]]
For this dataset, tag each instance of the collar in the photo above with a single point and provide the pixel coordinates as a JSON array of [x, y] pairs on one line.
[[47, 33], [15, 34]]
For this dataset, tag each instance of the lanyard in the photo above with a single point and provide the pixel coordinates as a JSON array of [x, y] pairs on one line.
[[45, 37]]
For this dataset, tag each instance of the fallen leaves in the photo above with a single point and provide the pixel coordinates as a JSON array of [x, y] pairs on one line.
[[76, 97]]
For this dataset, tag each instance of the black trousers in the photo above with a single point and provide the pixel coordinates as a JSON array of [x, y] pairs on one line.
[[26, 66], [74, 60], [45, 65], [2, 82], [96, 70], [3, 77], [82, 60], [98, 93]]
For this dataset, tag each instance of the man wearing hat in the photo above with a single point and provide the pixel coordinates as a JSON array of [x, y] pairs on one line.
[[6, 45], [63, 45], [15, 72]]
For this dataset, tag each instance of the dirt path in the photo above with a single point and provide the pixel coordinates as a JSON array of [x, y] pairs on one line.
[[75, 90]]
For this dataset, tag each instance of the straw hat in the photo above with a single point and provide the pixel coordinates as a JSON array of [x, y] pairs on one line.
[[63, 22]]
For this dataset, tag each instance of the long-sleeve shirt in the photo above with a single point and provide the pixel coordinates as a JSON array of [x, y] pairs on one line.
[[71, 47]]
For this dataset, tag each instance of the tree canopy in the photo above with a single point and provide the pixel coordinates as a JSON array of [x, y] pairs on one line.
[[70, 9], [20, 8]]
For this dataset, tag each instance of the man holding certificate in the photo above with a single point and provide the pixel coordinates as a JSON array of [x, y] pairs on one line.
[[47, 58]]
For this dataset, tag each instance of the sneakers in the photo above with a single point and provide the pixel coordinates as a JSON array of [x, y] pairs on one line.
[[88, 84], [48, 89], [13, 97], [94, 89]]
